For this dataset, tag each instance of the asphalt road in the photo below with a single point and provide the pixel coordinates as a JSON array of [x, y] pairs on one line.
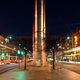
[[6, 67], [72, 67]]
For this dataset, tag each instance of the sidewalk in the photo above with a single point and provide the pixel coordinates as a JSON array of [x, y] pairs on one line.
[[58, 74]]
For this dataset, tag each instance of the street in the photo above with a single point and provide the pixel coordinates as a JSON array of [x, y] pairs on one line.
[[6, 67], [73, 67]]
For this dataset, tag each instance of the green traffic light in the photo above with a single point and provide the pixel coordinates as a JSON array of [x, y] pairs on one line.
[[18, 52], [22, 52], [3, 54]]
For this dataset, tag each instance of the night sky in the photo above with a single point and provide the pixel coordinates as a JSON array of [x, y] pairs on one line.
[[16, 17]]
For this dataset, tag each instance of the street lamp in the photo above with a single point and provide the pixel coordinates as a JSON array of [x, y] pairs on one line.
[[68, 37], [53, 51], [10, 37], [25, 55]]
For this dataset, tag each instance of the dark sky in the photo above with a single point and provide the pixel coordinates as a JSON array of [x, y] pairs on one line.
[[16, 17]]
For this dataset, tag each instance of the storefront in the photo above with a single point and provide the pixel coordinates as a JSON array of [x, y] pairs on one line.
[[72, 54]]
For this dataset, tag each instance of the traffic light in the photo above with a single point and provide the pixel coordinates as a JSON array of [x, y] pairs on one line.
[[18, 52], [3, 54], [22, 53]]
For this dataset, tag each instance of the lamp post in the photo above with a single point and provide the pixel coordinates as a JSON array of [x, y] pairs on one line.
[[53, 51], [25, 62], [25, 55]]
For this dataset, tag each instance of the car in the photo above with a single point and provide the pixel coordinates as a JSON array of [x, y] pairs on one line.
[[2, 61]]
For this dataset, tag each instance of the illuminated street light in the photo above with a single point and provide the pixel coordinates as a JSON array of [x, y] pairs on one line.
[[10, 37], [68, 38]]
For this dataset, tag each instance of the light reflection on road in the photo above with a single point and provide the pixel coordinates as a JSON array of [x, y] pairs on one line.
[[21, 75]]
